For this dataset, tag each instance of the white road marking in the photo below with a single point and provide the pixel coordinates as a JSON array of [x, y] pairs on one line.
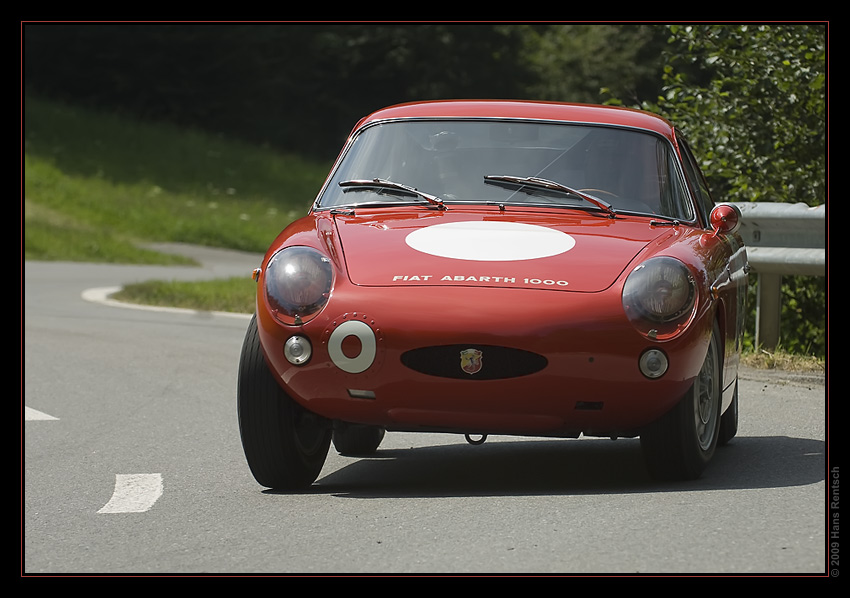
[[31, 414], [103, 295], [134, 493]]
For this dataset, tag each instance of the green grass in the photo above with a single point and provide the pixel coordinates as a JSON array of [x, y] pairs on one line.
[[96, 186], [236, 295]]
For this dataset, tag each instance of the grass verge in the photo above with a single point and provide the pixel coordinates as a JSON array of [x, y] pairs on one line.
[[780, 360], [95, 185], [235, 294]]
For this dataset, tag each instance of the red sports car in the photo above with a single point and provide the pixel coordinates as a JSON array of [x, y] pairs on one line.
[[499, 267]]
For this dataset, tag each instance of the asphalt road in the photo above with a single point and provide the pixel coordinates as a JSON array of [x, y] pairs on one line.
[[132, 464]]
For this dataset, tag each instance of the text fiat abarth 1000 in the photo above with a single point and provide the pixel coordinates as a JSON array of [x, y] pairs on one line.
[[498, 267]]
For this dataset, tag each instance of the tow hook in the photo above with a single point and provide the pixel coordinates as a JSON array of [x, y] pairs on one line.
[[475, 441]]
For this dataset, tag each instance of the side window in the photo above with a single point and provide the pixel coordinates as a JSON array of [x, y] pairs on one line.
[[675, 201], [697, 181]]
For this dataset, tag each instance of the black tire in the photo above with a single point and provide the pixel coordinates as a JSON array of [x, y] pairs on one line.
[[285, 445], [729, 421], [679, 445], [357, 440]]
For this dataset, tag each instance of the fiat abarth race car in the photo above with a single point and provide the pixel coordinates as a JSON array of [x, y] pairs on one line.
[[498, 267]]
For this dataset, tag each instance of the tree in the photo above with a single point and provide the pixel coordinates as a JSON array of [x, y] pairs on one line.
[[581, 62], [752, 100]]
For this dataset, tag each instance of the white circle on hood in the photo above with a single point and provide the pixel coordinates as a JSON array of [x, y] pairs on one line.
[[490, 241]]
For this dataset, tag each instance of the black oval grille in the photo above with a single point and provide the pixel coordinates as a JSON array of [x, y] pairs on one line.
[[461, 362]]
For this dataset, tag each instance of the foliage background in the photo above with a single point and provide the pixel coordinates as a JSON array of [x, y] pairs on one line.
[[305, 85], [752, 98]]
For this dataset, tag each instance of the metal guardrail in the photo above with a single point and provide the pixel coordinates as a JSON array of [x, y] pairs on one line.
[[781, 239]]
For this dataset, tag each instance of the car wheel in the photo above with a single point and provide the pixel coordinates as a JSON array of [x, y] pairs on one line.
[[285, 445], [679, 445], [729, 421], [357, 440]]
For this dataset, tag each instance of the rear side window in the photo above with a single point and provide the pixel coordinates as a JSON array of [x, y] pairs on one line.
[[697, 181]]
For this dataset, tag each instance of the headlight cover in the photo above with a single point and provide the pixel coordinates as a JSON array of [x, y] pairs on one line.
[[298, 282], [659, 297]]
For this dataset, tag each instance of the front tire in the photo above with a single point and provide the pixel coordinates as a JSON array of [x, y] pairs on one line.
[[285, 445], [679, 445]]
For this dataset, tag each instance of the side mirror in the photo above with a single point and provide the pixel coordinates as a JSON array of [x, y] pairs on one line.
[[725, 219]]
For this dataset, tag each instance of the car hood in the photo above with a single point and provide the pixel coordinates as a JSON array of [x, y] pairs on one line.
[[567, 250]]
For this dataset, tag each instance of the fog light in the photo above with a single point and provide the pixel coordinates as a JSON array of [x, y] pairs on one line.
[[297, 350], [653, 363]]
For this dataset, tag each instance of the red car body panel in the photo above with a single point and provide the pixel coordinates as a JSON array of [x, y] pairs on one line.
[[544, 111], [600, 252], [560, 309]]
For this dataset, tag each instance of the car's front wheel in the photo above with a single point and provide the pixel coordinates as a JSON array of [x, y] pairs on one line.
[[679, 445], [285, 445]]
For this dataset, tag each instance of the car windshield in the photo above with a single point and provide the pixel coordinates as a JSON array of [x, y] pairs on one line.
[[509, 163]]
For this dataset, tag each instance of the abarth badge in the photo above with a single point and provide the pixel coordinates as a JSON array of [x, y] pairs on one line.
[[471, 361]]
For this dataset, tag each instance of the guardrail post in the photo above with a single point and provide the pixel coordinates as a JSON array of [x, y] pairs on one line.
[[768, 308]]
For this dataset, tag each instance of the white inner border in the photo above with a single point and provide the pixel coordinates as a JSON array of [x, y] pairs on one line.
[[490, 241]]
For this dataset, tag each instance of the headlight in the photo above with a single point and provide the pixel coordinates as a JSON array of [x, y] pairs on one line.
[[659, 297], [298, 282]]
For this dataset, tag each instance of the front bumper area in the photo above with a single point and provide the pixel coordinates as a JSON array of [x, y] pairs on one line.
[[494, 361]]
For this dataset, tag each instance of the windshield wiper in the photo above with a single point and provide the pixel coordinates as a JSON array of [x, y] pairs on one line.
[[393, 186], [671, 222], [538, 183]]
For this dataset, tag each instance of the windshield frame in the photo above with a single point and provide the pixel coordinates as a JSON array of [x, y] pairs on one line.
[[671, 153]]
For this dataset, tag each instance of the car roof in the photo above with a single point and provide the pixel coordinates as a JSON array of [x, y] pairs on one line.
[[522, 109]]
